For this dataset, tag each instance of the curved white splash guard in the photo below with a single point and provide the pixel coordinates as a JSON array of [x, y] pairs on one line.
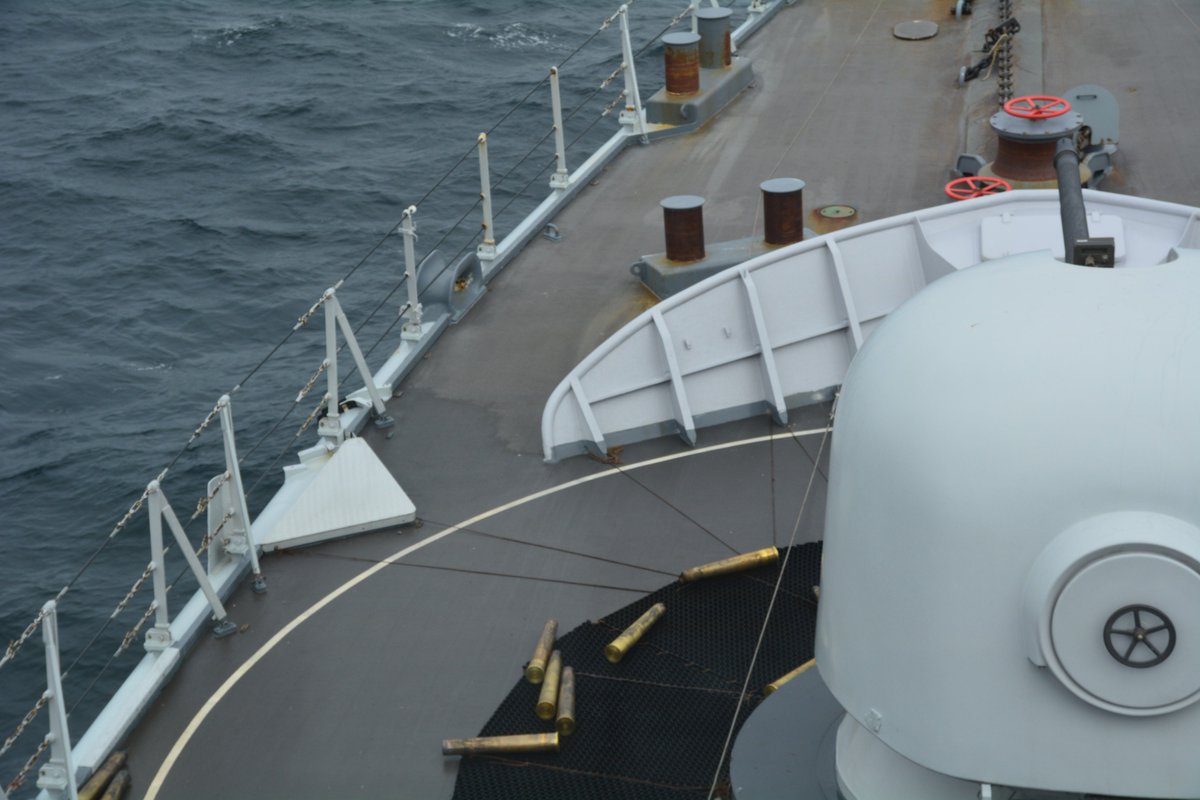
[[779, 331]]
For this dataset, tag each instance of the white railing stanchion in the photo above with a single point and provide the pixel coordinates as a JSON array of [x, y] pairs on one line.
[[633, 115], [411, 329], [487, 250], [239, 492], [57, 777], [561, 179], [330, 426], [158, 638]]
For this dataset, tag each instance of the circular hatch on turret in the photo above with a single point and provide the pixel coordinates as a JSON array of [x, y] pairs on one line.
[[1113, 609], [1125, 631]]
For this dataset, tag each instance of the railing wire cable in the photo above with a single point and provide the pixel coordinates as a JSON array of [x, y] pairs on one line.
[[812, 476]]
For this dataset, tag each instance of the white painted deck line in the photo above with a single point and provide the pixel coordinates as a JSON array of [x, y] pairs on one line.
[[194, 724]]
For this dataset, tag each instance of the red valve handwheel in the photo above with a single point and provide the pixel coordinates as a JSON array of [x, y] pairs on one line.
[[975, 186], [1037, 106]]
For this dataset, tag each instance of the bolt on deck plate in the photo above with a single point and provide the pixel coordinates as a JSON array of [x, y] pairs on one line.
[[838, 212], [915, 29]]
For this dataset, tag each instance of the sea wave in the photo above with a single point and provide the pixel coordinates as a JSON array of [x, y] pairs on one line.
[[512, 36]]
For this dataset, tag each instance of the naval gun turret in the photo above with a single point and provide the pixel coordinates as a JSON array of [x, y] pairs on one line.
[[1010, 596]]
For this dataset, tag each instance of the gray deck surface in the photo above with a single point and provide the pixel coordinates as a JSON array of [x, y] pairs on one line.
[[354, 701]]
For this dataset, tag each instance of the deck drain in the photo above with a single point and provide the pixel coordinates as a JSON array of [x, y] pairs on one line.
[[838, 212]]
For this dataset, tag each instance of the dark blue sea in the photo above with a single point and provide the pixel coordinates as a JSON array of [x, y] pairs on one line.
[[178, 183]]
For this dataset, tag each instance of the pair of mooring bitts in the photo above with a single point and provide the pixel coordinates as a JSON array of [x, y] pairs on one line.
[[556, 701]]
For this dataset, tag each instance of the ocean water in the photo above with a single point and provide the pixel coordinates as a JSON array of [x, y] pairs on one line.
[[178, 183]]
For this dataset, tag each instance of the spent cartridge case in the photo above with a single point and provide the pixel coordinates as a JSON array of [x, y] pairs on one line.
[[615, 650], [535, 670], [565, 722], [102, 777], [774, 685], [548, 699], [758, 558], [519, 743], [117, 787]]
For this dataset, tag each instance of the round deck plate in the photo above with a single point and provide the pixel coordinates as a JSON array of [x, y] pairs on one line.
[[916, 29], [838, 212]]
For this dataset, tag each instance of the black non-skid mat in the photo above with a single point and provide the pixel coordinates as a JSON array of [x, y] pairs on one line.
[[653, 725]]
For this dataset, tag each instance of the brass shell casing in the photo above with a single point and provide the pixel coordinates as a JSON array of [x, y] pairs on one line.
[[758, 558], [519, 743], [774, 685], [548, 699], [535, 670], [102, 777], [565, 723], [615, 650], [118, 787]]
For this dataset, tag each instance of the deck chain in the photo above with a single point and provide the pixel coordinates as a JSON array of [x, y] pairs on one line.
[[216, 409], [308, 315], [612, 76], [616, 101], [24, 723], [312, 381], [609, 20], [132, 633], [136, 507], [208, 537], [1004, 59], [14, 646], [133, 590], [19, 781], [202, 503], [313, 414]]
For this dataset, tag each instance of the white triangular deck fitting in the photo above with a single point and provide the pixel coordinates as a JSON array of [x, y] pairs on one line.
[[347, 492]]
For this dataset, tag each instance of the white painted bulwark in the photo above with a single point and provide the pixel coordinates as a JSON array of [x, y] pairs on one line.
[[779, 330], [349, 491]]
